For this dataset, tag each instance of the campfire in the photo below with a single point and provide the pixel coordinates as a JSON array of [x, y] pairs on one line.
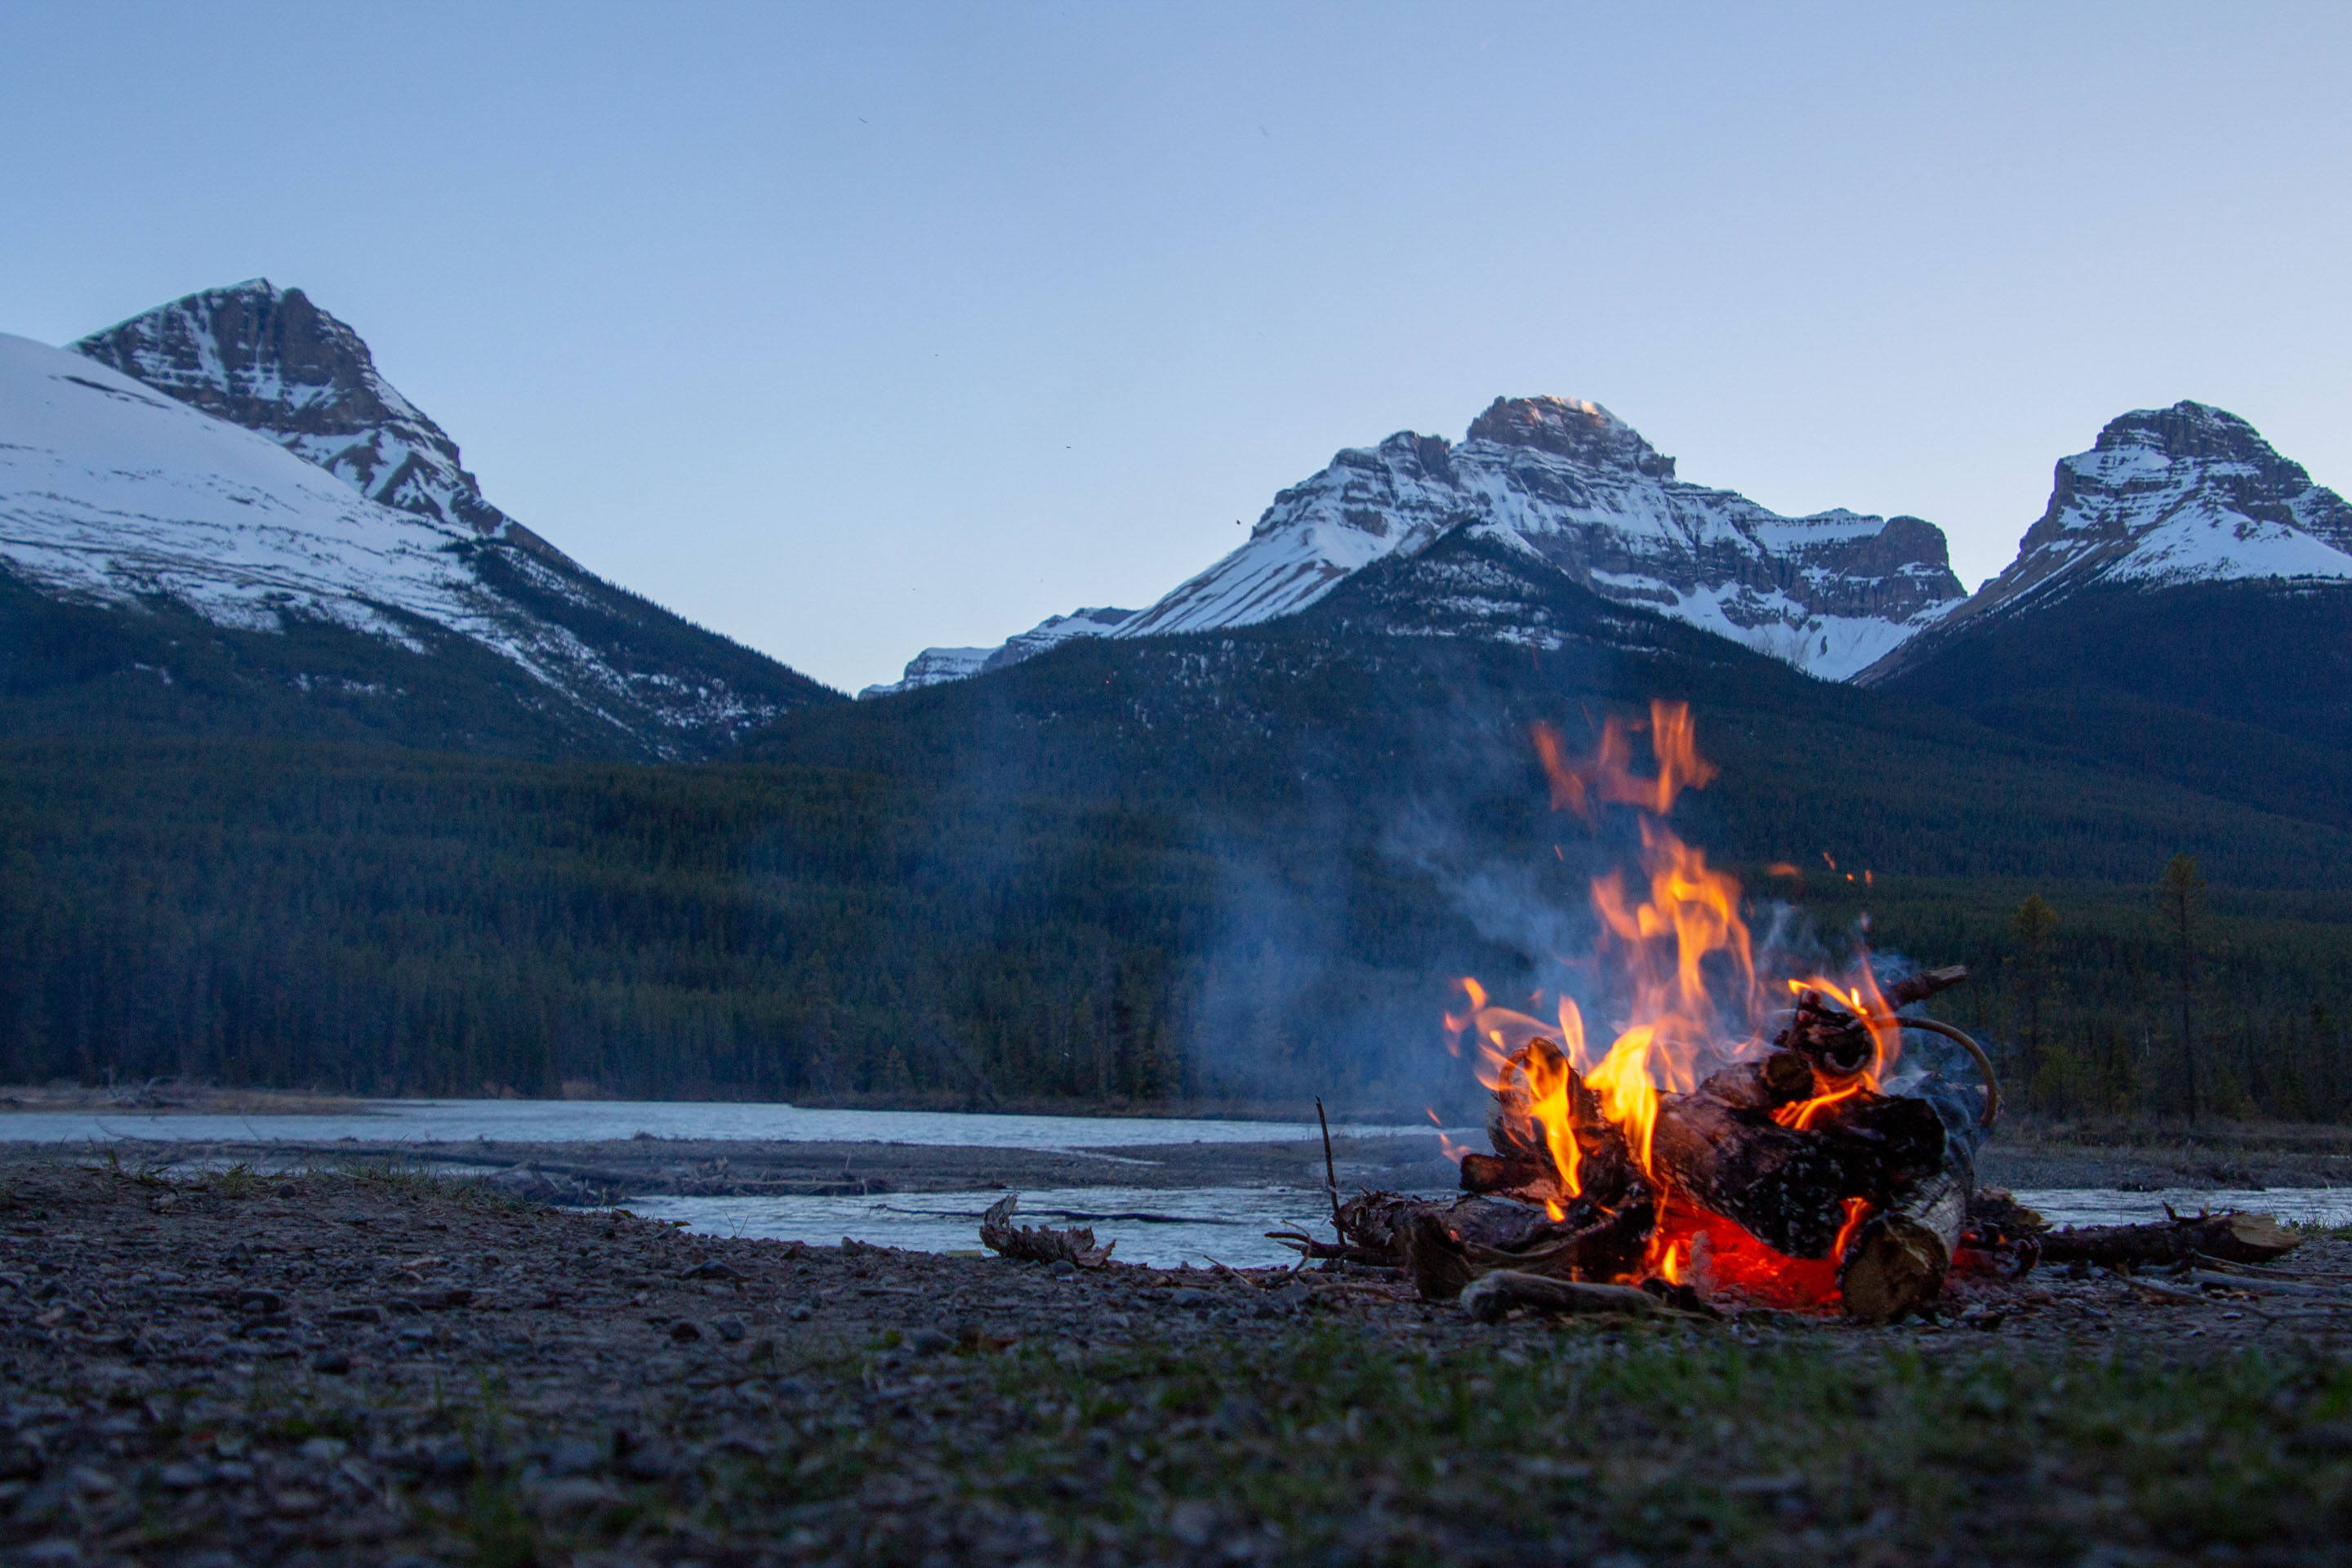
[[1750, 1135], [1740, 1131]]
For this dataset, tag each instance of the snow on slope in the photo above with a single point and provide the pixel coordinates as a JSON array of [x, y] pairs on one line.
[[1578, 487], [2186, 494], [111, 493], [938, 665]]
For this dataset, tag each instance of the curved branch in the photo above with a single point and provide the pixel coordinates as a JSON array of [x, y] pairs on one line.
[[1984, 1062]]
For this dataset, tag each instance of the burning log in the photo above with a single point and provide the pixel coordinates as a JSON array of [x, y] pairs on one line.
[[1789, 1185], [1524, 1165], [2232, 1236], [1494, 1294], [1037, 1244]]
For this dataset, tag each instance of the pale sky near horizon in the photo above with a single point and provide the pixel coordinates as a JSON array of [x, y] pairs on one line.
[[849, 330]]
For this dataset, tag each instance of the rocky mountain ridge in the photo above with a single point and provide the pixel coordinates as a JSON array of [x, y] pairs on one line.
[[268, 475], [1576, 488], [2165, 497], [938, 665]]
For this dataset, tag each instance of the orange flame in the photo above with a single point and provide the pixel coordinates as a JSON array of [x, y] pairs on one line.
[[1688, 998], [1609, 777]]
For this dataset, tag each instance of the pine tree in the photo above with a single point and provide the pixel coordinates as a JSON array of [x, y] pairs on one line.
[[2179, 893], [2031, 927]]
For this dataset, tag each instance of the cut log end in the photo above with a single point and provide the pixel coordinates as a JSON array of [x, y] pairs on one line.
[[1896, 1266]]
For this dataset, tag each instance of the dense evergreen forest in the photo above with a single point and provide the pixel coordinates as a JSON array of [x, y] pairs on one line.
[[1204, 870]]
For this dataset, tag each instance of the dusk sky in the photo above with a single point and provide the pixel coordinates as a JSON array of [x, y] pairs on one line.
[[849, 330]]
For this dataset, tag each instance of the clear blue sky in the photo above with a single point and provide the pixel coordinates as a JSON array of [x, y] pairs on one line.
[[851, 329]]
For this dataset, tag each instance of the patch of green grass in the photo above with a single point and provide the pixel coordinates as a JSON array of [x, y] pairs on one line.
[[1655, 1440]]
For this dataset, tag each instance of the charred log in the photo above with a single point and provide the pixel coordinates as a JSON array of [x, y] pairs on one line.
[[1522, 1165], [1789, 1186], [1784, 1077], [2232, 1236], [1445, 1246], [1831, 1033], [1925, 983], [1512, 1176]]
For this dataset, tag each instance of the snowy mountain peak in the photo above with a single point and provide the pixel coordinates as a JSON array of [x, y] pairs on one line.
[[2187, 494], [267, 358], [1572, 484], [1572, 429], [235, 456]]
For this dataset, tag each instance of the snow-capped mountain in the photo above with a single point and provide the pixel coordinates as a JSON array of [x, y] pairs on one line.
[[114, 494], [267, 358], [1576, 488], [1579, 488], [937, 666], [2165, 496]]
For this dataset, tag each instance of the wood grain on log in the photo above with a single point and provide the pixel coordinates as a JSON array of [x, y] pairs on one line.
[[1896, 1264]]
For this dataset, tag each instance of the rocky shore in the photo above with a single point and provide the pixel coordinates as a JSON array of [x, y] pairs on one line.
[[376, 1366]]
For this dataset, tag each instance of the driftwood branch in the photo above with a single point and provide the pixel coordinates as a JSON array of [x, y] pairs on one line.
[[1037, 1244]]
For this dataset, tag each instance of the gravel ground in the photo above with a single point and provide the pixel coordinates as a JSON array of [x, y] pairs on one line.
[[374, 1367]]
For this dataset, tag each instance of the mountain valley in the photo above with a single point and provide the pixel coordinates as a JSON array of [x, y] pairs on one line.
[[1230, 846]]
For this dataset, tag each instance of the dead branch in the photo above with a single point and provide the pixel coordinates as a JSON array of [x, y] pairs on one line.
[[1037, 1244], [2234, 1236]]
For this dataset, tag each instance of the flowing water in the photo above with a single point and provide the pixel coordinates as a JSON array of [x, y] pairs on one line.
[[1162, 1228], [1158, 1226], [1192, 1225], [601, 1120]]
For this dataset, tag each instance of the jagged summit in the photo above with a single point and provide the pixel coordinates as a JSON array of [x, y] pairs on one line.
[[1572, 429], [1572, 483], [2191, 493], [267, 358], [235, 456]]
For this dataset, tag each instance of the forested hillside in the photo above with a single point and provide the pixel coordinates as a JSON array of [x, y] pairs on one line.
[[1204, 869]]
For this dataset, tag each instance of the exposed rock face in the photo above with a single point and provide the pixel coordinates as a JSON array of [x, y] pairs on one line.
[[1571, 483], [2166, 496], [267, 359], [937, 666]]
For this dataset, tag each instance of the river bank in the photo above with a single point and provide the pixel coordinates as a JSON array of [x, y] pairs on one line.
[[385, 1368]]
